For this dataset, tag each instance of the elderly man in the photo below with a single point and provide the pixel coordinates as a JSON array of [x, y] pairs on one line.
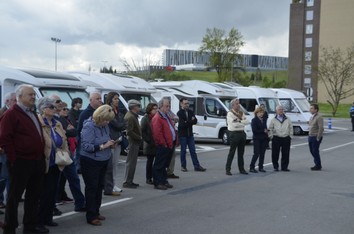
[[280, 131], [315, 136], [135, 138], [21, 137], [165, 138], [95, 102]]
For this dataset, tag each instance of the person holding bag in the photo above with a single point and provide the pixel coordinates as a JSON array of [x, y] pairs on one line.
[[96, 151], [55, 141]]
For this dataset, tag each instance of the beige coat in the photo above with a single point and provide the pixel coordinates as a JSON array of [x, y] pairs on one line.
[[280, 129], [48, 140], [316, 126]]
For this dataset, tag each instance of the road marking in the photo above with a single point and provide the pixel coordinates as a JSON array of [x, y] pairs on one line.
[[102, 205], [293, 146], [338, 146]]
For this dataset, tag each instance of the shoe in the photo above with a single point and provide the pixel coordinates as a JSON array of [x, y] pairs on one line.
[[149, 181], [101, 217], [129, 185], [9, 231], [2, 205], [276, 169], [82, 209], [112, 194], [228, 173], [57, 212], [168, 185], [67, 199], [253, 170], [95, 222], [51, 224], [316, 168], [184, 169], [243, 172], [262, 170], [117, 189], [200, 168], [39, 229], [137, 185], [287, 170], [160, 187], [172, 176]]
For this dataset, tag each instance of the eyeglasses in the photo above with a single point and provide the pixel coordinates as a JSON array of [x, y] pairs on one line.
[[58, 101], [65, 109], [51, 107]]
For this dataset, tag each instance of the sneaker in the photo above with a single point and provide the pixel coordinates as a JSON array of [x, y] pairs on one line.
[[117, 189], [112, 194], [129, 185], [200, 168], [160, 187], [184, 169]]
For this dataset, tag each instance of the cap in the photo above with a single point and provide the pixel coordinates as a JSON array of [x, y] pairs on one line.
[[133, 102]]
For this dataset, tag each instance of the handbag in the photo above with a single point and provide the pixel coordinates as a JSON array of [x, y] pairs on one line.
[[62, 158]]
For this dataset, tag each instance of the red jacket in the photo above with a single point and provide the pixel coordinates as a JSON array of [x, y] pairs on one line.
[[161, 131], [19, 136]]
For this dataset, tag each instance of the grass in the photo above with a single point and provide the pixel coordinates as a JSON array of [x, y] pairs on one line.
[[342, 112]]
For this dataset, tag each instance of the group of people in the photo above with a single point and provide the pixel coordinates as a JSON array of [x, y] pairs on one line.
[[31, 137], [280, 131]]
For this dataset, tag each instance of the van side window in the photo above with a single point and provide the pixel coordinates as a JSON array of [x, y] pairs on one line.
[[213, 107], [249, 104], [289, 105]]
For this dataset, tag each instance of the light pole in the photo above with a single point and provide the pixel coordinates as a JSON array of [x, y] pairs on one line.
[[56, 40]]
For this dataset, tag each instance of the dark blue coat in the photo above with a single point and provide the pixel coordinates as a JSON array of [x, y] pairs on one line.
[[258, 129]]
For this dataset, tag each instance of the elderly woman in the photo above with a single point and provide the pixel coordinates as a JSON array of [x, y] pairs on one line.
[[54, 136], [96, 145], [149, 145], [260, 139]]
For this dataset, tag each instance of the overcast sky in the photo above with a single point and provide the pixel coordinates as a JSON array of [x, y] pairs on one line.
[[93, 31]]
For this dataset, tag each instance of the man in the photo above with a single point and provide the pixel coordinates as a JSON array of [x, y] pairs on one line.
[[10, 100], [315, 136], [135, 139], [236, 122], [74, 113], [280, 131], [185, 135], [165, 138], [21, 137], [351, 114], [69, 172], [95, 102]]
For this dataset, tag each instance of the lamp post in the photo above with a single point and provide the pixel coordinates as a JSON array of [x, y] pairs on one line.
[[56, 40]]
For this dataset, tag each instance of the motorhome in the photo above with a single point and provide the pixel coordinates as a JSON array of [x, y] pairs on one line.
[[129, 87], [45, 83], [296, 107], [209, 102]]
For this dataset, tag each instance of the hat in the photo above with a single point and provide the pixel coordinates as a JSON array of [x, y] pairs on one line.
[[133, 102]]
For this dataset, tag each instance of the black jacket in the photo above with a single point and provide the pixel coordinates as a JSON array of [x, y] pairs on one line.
[[116, 126], [185, 126]]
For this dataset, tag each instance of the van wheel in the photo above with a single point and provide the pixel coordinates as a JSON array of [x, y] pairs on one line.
[[298, 130], [225, 137]]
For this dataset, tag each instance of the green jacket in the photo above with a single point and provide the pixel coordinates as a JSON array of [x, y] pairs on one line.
[[133, 128]]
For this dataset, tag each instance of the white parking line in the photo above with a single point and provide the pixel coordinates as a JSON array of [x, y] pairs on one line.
[[338, 146], [104, 204]]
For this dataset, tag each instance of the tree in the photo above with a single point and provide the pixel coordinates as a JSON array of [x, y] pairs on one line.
[[223, 50], [336, 72]]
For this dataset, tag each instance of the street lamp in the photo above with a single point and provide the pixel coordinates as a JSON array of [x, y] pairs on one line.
[[56, 40]]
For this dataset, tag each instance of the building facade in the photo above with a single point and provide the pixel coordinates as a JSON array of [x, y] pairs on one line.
[[315, 24]]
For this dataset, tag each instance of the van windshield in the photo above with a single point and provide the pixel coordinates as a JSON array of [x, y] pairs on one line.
[[227, 103], [303, 104], [270, 104], [66, 95], [144, 100]]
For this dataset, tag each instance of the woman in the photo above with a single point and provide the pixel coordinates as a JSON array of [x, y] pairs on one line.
[[149, 145], [54, 136], [96, 145], [116, 126], [260, 136]]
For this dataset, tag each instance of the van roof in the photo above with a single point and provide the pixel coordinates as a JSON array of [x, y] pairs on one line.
[[287, 93]]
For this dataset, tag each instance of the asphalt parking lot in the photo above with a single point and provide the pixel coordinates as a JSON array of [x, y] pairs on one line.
[[299, 201]]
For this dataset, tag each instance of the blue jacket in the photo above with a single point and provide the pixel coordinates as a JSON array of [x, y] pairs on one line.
[[258, 129], [85, 114], [92, 136]]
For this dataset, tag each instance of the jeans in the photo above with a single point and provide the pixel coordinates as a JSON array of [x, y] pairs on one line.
[[93, 173], [314, 146], [74, 184], [184, 142]]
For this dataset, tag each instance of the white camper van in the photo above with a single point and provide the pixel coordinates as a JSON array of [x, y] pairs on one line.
[[296, 107], [208, 102], [45, 83], [129, 87]]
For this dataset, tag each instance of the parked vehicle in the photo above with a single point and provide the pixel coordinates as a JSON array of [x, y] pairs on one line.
[[296, 107], [208, 101], [45, 83]]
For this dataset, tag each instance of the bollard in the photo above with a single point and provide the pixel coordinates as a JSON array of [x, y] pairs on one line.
[[329, 123]]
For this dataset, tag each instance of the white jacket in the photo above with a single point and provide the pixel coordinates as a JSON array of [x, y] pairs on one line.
[[234, 123], [280, 129]]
